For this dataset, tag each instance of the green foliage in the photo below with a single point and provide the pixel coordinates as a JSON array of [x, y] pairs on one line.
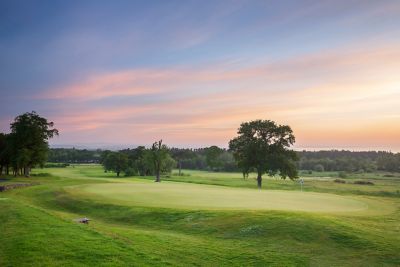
[[263, 145], [56, 165], [349, 161], [159, 157], [73, 155], [389, 162], [116, 162], [27, 144], [130, 172], [334, 160], [213, 154], [319, 168]]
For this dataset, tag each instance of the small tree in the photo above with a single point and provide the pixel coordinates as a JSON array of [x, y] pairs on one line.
[[212, 157], [158, 155], [116, 162], [30, 134], [181, 154], [263, 145], [168, 164]]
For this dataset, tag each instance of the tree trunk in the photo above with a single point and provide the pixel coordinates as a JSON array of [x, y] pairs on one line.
[[7, 170], [27, 171], [117, 174], [180, 167], [1, 169], [158, 176], [259, 180]]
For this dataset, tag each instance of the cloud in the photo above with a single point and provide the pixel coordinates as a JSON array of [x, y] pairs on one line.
[[334, 93]]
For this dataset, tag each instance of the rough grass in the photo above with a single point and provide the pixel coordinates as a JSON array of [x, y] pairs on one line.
[[37, 228]]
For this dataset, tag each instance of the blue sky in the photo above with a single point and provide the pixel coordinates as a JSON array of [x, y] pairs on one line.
[[191, 71]]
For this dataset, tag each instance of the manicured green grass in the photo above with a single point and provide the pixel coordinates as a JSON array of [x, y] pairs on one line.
[[38, 229], [192, 196]]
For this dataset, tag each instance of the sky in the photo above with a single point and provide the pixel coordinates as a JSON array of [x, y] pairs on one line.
[[189, 72]]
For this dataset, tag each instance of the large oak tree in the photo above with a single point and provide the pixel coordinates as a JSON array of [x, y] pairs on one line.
[[263, 145]]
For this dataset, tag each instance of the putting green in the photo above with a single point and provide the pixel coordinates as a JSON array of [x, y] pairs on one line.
[[195, 196]]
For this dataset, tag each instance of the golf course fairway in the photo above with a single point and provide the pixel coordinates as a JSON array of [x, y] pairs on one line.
[[196, 196]]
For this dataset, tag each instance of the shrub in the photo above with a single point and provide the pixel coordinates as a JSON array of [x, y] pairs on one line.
[[389, 175], [182, 174], [342, 174], [340, 181], [130, 172], [56, 165], [364, 182]]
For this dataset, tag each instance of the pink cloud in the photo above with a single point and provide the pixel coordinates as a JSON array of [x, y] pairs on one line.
[[333, 93]]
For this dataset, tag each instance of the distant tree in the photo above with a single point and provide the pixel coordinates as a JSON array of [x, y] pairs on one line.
[[116, 162], [263, 145], [30, 135], [227, 161], [212, 157], [158, 155], [168, 165], [103, 156], [3, 156], [319, 168], [180, 155]]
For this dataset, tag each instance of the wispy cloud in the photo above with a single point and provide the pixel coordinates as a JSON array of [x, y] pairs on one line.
[[333, 93]]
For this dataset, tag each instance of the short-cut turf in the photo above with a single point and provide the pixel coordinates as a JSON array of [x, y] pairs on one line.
[[196, 196]]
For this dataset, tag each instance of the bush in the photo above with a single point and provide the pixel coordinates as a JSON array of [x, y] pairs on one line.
[[340, 181], [182, 174], [342, 174], [56, 165], [364, 182], [130, 172], [389, 175]]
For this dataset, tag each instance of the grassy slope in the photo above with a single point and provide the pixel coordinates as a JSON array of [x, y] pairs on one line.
[[37, 227]]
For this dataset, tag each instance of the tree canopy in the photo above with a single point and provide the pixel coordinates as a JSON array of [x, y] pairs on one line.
[[213, 154], [158, 156], [263, 145], [116, 162], [27, 144]]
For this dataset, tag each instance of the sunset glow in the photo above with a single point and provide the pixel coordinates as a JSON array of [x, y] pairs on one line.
[[133, 73]]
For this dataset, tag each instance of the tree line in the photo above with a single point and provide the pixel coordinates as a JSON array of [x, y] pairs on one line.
[[219, 159], [349, 161], [142, 161]]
